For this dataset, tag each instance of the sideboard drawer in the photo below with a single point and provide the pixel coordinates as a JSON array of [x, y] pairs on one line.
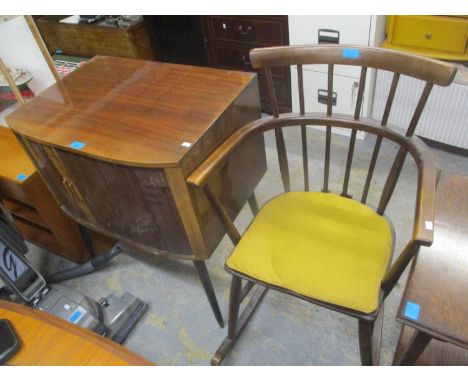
[[234, 57], [441, 33], [247, 30]]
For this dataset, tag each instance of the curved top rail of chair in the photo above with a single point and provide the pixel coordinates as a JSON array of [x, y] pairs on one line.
[[423, 68]]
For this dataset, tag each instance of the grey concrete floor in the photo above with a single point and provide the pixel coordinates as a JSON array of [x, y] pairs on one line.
[[179, 328]]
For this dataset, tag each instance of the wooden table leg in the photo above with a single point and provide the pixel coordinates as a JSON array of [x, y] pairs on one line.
[[200, 266], [415, 347]]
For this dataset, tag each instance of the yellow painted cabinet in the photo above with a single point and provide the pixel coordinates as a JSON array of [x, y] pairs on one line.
[[443, 37]]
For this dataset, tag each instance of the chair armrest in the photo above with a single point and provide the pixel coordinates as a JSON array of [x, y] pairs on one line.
[[423, 230], [219, 157]]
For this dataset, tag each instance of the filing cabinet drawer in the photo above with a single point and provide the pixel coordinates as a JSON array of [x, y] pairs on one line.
[[353, 30], [247, 30], [432, 32], [315, 84]]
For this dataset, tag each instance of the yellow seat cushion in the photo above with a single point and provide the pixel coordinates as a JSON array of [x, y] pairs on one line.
[[320, 245]]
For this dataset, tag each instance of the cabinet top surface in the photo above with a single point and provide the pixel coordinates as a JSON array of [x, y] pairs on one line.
[[130, 111]]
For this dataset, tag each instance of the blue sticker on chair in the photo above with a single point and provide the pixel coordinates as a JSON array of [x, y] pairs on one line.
[[21, 176], [412, 310], [351, 53], [77, 145]]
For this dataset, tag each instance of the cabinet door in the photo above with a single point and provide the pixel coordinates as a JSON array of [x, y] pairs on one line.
[[315, 93], [353, 30]]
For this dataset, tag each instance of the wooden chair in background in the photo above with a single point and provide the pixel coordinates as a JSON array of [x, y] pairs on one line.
[[326, 247]]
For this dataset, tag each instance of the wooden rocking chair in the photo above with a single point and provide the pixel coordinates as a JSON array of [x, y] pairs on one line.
[[343, 261]]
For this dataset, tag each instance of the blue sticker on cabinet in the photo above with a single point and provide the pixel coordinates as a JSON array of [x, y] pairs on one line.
[[77, 145], [412, 310]]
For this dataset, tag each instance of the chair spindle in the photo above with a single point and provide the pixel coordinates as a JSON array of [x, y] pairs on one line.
[[326, 171], [419, 108], [395, 171], [305, 162], [352, 142], [378, 141], [280, 145]]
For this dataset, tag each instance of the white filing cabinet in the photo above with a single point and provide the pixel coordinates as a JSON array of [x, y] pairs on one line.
[[355, 30]]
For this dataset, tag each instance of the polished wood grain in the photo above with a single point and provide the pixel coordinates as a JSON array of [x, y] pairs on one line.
[[46, 340], [438, 279], [131, 111]]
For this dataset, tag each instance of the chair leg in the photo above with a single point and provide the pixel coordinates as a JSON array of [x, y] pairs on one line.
[[236, 323], [200, 266], [234, 304], [366, 330], [370, 335]]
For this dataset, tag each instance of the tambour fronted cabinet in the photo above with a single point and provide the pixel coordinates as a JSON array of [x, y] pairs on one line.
[[116, 140]]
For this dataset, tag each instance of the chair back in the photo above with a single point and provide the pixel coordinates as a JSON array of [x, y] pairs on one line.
[[431, 71]]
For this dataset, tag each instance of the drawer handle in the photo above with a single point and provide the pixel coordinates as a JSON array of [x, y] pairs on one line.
[[245, 61], [244, 31], [323, 97], [328, 36]]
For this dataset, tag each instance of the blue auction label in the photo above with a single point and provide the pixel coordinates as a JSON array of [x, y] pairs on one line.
[[77, 145], [76, 315], [351, 53], [21, 176], [412, 310]]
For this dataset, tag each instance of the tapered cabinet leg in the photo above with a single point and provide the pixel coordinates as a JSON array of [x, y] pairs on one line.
[[200, 266]]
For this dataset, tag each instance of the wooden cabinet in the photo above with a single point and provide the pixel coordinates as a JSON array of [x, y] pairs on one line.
[[33, 208], [229, 40], [116, 140], [95, 39], [442, 37]]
